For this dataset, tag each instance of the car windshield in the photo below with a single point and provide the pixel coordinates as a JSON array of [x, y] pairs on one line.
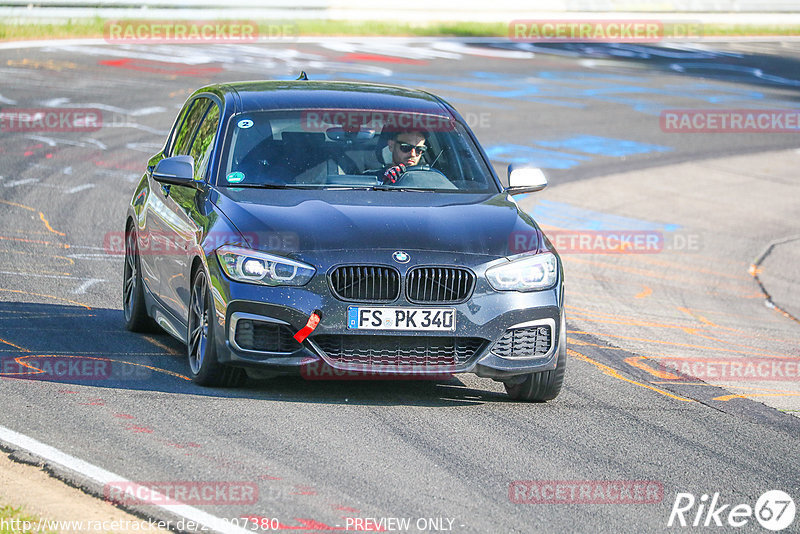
[[349, 149]]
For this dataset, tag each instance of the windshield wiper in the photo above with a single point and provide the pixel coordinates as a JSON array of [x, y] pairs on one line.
[[303, 186], [394, 188]]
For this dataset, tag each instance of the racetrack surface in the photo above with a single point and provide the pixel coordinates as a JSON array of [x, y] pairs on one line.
[[324, 451]]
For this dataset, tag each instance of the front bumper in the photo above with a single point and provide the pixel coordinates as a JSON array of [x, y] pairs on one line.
[[487, 315]]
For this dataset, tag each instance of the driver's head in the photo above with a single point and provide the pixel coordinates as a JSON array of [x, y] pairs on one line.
[[407, 148]]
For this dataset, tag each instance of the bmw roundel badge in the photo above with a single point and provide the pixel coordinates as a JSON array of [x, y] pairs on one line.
[[401, 257]]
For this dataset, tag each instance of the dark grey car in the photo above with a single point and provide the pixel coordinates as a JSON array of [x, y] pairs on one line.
[[264, 237]]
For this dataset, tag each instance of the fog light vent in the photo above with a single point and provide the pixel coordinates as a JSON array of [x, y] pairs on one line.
[[524, 342], [263, 336]]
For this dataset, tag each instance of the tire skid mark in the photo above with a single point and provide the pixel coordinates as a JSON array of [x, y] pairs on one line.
[[635, 361], [17, 314], [770, 392], [161, 346], [684, 267], [83, 357], [702, 319], [733, 341], [34, 241], [68, 260], [83, 354], [27, 232], [678, 344], [36, 370], [610, 318], [640, 363], [41, 273], [43, 295], [628, 281], [732, 331], [586, 314], [695, 332], [743, 286], [725, 398], [609, 371]]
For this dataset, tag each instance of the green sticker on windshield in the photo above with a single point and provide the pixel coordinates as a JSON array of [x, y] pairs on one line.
[[235, 177]]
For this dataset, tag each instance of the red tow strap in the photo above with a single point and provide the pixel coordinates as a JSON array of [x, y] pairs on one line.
[[312, 323]]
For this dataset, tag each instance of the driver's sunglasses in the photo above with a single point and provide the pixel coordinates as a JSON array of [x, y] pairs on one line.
[[418, 149]]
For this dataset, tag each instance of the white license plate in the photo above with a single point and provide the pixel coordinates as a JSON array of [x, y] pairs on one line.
[[426, 319]]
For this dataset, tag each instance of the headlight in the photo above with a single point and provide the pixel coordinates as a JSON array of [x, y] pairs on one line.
[[255, 267], [529, 273]]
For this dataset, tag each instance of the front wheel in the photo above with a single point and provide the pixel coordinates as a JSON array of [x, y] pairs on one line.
[[204, 368], [544, 385]]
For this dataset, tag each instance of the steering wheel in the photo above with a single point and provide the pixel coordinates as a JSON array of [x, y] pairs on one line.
[[420, 167]]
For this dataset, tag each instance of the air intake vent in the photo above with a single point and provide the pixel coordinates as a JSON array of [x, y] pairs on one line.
[[264, 337], [399, 351], [366, 283], [524, 342]]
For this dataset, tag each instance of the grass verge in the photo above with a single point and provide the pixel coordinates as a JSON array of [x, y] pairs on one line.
[[15, 521], [95, 28]]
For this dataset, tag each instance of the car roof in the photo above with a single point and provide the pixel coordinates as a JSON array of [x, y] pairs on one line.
[[299, 94]]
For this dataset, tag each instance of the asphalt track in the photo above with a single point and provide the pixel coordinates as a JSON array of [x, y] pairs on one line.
[[434, 452]]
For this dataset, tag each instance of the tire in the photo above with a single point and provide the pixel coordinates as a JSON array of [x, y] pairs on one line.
[[544, 385], [204, 368], [133, 304]]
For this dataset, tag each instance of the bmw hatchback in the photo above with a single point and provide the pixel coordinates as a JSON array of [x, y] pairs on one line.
[[335, 229]]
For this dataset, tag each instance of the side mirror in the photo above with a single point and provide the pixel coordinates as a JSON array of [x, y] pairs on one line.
[[177, 170], [525, 180]]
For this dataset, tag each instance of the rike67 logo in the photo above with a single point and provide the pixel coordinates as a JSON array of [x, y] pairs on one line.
[[774, 510]]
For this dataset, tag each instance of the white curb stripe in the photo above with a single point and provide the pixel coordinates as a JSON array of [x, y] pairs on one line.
[[101, 476]]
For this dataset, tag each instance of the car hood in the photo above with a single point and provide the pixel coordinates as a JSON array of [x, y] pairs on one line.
[[306, 221]]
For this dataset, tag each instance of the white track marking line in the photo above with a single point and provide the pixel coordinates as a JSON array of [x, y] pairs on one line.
[[63, 102], [105, 256], [81, 188], [59, 276], [103, 477], [15, 183], [87, 247], [463, 48], [84, 286]]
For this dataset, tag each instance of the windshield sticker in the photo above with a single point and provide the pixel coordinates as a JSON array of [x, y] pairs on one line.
[[235, 177], [244, 123]]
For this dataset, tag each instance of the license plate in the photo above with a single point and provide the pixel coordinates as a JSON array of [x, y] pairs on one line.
[[426, 319]]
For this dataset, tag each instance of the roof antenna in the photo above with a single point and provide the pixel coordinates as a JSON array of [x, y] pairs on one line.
[[303, 76]]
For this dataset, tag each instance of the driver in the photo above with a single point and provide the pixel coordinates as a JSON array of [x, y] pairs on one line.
[[407, 149]]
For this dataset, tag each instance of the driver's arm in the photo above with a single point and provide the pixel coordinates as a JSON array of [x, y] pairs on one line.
[[392, 174]]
